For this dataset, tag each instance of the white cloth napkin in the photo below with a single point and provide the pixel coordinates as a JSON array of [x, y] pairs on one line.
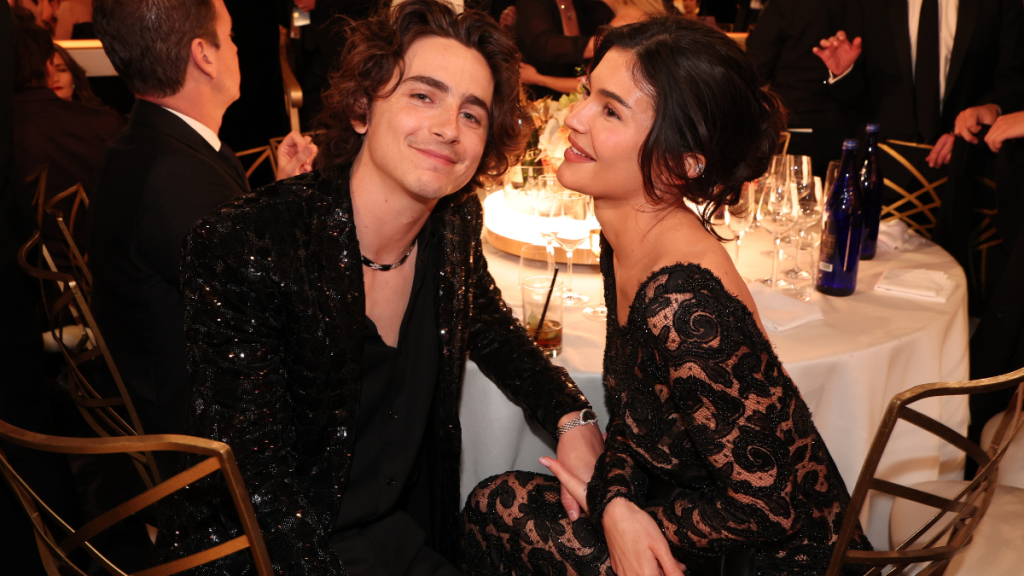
[[780, 312], [895, 235], [926, 284]]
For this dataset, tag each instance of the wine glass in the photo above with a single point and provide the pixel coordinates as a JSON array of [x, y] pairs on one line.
[[597, 313], [571, 229], [778, 215], [546, 204], [808, 207], [740, 216]]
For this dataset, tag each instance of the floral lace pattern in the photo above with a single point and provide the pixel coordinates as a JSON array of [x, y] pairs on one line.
[[708, 434]]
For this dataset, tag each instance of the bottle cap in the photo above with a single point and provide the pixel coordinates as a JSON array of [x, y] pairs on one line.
[[849, 144], [872, 128]]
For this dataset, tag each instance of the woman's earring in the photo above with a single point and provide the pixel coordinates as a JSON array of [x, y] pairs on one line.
[[700, 169]]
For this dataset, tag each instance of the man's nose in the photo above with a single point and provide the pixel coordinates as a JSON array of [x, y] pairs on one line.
[[444, 123]]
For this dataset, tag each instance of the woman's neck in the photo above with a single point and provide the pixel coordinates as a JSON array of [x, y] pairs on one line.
[[643, 235]]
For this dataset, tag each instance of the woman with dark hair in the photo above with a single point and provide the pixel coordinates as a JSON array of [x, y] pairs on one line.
[[712, 463], [68, 79]]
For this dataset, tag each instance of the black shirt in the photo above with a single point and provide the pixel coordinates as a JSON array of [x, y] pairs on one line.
[[398, 386]]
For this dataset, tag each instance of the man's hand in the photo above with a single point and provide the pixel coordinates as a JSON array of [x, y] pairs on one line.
[[507, 20], [578, 450], [295, 155], [838, 53], [1005, 128], [970, 120], [942, 151], [305, 5]]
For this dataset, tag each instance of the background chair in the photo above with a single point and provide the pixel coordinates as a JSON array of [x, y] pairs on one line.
[[78, 260], [38, 180], [954, 515], [917, 199], [58, 541], [90, 367]]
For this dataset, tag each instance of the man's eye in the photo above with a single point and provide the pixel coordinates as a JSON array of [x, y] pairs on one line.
[[421, 97], [470, 117]]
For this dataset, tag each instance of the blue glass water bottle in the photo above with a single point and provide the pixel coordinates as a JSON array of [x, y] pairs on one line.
[[871, 186], [842, 229]]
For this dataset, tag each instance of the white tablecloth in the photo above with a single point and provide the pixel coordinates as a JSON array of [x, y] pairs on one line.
[[870, 347]]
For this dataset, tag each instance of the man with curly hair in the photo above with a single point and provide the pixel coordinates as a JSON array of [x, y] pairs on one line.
[[329, 316]]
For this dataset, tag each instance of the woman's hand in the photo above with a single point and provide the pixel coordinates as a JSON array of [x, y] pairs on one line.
[[528, 74], [635, 543], [578, 451]]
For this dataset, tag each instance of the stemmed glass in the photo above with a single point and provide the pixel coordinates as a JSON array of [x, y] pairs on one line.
[[572, 228], [597, 313], [546, 204], [808, 207], [778, 212], [740, 216]]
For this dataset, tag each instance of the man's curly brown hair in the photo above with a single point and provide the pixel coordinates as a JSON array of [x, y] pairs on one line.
[[376, 47]]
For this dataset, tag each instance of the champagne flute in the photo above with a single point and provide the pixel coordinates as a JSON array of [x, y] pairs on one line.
[[740, 216], [808, 207], [572, 229], [597, 313], [778, 216]]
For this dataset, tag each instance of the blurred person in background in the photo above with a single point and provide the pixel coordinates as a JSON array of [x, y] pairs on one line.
[[166, 170], [65, 135], [781, 46], [625, 11], [68, 79], [556, 36]]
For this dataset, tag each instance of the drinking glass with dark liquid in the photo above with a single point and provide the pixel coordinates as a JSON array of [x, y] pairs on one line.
[[547, 335]]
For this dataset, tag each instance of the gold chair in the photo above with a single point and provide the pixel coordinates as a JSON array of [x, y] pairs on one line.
[[948, 531], [75, 333], [38, 177], [292, 88], [919, 207], [57, 541], [79, 262], [261, 154]]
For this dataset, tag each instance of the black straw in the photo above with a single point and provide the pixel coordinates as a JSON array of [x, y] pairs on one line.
[[544, 312]]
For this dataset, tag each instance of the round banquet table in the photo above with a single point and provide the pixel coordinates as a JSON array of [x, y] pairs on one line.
[[869, 347]]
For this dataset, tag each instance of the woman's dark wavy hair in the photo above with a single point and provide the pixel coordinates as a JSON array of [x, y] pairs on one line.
[[376, 47], [707, 101]]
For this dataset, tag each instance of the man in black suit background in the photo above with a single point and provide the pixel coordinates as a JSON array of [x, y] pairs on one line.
[[915, 65], [781, 45], [167, 170]]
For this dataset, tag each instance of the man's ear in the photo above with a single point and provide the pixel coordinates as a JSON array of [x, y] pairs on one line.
[[358, 126], [203, 57]]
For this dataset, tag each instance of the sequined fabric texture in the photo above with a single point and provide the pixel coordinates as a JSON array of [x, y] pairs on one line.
[[274, 299], [708, 434]]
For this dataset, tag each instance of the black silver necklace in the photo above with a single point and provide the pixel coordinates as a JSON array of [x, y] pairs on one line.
[[385, 267]]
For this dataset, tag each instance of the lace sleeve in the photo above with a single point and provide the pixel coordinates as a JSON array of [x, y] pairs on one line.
[[738, 410], [616, 475]]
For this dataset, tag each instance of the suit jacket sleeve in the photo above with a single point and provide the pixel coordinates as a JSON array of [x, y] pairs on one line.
[[236, 358], [851, 89], [543, 40], [765, 43], [505, 353], [1008, 85]]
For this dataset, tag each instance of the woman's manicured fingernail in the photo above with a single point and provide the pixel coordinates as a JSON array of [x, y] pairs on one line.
[[574, 515], [545, 462]]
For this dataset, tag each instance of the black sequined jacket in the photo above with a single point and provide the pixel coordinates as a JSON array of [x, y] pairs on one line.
[[274, 297]]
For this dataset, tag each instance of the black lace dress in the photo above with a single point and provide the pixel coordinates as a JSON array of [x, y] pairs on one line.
[[708, 435]]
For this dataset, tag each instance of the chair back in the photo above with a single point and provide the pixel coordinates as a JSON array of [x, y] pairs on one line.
[[88, 360], [78, 259], [38, 179], [949, 531], [918, 207], [292, 88], [57, 540]]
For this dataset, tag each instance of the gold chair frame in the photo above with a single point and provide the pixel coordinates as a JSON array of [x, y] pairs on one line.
[[924, 200], [99, 412], [55, 552], [968, 507], [39, 175], [79, 261], [292, 88], [263, 154]]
